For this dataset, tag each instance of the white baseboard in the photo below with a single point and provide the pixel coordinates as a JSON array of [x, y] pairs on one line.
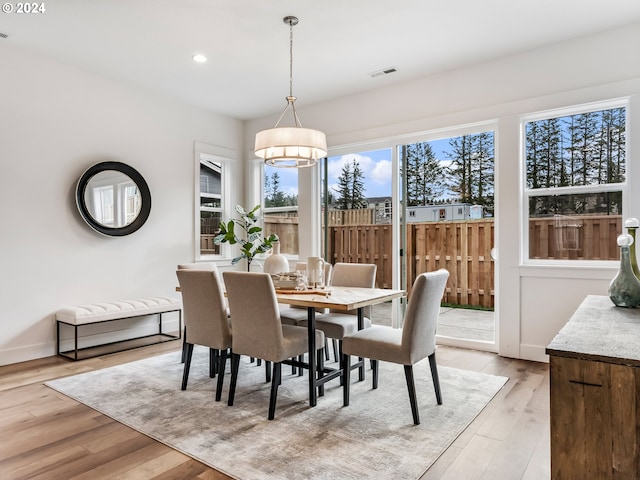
[[535, 353], [28, 352], [470, 344]]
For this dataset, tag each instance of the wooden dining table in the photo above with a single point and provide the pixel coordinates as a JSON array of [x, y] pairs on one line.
[[342, 299]]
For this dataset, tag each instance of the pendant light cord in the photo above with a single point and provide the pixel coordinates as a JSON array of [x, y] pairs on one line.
[[290, 58], [291, 99]]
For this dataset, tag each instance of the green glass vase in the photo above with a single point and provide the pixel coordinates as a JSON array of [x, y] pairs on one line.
[[624, 290], [631, 224]]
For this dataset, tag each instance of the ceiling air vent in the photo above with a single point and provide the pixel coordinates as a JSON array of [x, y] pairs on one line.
[[384, 71], [3, 35]]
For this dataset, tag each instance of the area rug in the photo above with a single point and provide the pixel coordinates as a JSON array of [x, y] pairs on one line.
[[374, 437]]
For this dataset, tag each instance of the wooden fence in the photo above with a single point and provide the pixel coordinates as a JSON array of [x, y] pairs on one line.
[[361, 216], [462, 247], [286, 227], [580, 237]]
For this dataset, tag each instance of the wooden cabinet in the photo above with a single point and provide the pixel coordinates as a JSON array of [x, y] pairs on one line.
[[595, 384]]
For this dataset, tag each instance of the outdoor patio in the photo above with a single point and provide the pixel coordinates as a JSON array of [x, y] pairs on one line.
[[462, 323]]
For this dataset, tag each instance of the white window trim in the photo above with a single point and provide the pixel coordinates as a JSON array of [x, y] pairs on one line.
[[216, 155], [527, 193]]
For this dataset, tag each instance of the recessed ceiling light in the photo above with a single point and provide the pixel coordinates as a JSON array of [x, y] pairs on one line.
[[199, 58]]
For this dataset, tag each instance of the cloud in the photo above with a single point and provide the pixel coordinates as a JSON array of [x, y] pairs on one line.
[[377, 173], [381, 173]]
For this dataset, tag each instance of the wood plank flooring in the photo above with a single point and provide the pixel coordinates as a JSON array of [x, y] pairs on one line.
[[46, 435]]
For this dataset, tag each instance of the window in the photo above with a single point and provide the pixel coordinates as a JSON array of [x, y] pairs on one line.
[[280, 208], [211, 202], [575, 180]]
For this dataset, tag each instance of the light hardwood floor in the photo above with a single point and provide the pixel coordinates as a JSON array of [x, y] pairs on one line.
[[46, 435]]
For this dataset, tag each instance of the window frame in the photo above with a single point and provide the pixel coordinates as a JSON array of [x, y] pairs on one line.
[[225, 202], [261, 167], [528, 193]]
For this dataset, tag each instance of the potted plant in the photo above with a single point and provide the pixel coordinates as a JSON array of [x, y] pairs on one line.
[[251, 241]]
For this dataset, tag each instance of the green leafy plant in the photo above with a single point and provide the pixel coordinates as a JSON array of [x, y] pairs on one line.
[[251, 241]]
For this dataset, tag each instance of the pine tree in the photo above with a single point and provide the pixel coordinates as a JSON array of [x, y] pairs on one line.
[[274, 197], [358, 199], [344, 187], [424, 175], [267, 187]]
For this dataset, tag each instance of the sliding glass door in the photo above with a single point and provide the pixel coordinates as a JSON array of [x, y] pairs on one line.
[[358, 214], [448, 204], [418, 207]]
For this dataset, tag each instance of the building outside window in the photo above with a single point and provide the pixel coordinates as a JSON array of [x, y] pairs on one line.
[[211, 203]]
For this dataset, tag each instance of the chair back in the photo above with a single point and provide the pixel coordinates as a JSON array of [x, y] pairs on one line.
[[257, 330], [302, 266], [421, 318], [355, 275], [209, 266], [204, 306]]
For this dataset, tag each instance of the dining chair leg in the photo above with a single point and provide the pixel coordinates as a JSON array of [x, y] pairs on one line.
[[341, 363], [300, 359], [188, 352], [184, 344], [411, 386], [222, 362], [434, 375], [213, 361], [326, 348], [320, 361], [336, 355], [277, 369], [267, 371], [346, 374], [374, 367], [235, 364], [360, 369], [293, 367]]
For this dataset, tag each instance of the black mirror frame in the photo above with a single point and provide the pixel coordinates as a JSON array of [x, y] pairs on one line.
[[134, 175]]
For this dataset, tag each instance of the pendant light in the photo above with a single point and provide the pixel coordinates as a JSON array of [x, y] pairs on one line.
[[292, 147]]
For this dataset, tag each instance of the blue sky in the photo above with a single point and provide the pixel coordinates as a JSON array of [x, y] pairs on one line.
[[376, 166]]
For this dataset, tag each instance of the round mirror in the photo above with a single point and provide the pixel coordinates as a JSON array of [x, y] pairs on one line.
[[113, 198]]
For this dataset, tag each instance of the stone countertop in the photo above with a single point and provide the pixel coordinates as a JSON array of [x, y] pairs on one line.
[[600, 331]]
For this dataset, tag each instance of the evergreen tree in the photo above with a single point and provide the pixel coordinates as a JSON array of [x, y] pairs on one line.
[[344, 187], [350, 187], [424, 175], [274, 197], [358, 199], [472, 169]]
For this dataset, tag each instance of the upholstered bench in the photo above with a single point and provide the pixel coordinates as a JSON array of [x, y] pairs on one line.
[[91, 314]]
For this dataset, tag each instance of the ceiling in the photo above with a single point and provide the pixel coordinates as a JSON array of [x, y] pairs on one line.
[[336, 46]]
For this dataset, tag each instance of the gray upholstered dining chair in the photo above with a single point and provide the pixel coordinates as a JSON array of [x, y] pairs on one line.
[[209, 267], [258, 331], [206, 319], [337, 324], [407, 346]]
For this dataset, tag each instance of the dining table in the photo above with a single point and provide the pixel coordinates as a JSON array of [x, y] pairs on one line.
[[340, 299]]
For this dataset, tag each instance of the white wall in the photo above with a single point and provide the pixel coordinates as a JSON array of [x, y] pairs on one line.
[[533, 303], [56, 121]]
